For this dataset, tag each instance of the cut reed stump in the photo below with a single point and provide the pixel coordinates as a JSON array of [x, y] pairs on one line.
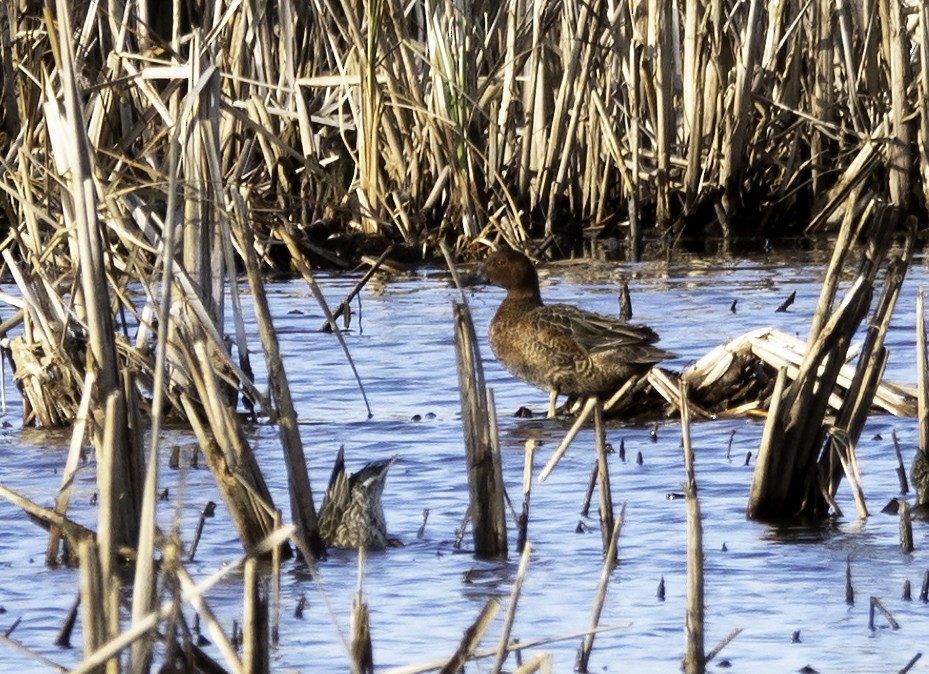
[[788, 480], [485, 472]]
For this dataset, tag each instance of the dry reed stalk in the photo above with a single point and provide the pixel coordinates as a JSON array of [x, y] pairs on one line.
[[872, 359], [922, 39], [906, 528], [604, 488], [94, 603], [733, 161], [922, 374], [472, 637], [896, 46], [528, 469], [589, 406], [822, 107], [307, 274], [798, 429], [694, 655], [276, 585], [503, 648], [38, 657], [255, 653], [143, 589], [485, 473], [232, 464], [540, 662], [71, 465], [609, 563], [361, 655], [303, 509], [189, 593], [920, 466], [121, 471], [521, 645]]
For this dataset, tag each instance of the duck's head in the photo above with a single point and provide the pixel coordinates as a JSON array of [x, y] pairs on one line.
[[513, 271]]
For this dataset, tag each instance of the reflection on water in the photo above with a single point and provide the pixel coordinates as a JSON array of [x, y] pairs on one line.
[[771, 581]]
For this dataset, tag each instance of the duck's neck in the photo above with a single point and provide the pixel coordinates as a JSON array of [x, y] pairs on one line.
[[526, 296]]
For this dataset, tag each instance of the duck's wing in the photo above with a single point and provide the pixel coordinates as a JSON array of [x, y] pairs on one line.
[[595, 332]]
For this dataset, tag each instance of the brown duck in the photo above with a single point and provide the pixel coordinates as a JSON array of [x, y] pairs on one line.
[[558, 347], [352, 515]]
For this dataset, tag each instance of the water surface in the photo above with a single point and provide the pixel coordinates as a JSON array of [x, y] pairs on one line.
[[769, 582]]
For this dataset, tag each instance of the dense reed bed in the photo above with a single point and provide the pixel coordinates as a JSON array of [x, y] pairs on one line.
[[468, 122]]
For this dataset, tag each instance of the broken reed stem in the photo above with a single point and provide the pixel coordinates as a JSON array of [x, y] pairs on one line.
[[420, 668], [276, 585], [910, 664], [255, 654], [879, 605], [528, 469], [901, 470], [306, 272], [302, 506], [605, 490], [609, 563], [143, 588], [849, 589], [906, 528], [503, 648], [67, 628], [168, 608], [843, 449], [568, 438], [361, 654], [725, 642], [93, 603], [694, 655], [71, 465], [919, 472], [472, 637], [485, 470], [540, 662], [329, 324]]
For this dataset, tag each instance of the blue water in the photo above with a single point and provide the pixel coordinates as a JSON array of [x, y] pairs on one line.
[[421, 597]]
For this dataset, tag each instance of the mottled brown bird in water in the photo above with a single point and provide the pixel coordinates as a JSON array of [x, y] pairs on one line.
[[558, 347], [352, 515]]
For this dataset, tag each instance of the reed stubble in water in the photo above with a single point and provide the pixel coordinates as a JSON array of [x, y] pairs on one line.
[[485, 473]]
